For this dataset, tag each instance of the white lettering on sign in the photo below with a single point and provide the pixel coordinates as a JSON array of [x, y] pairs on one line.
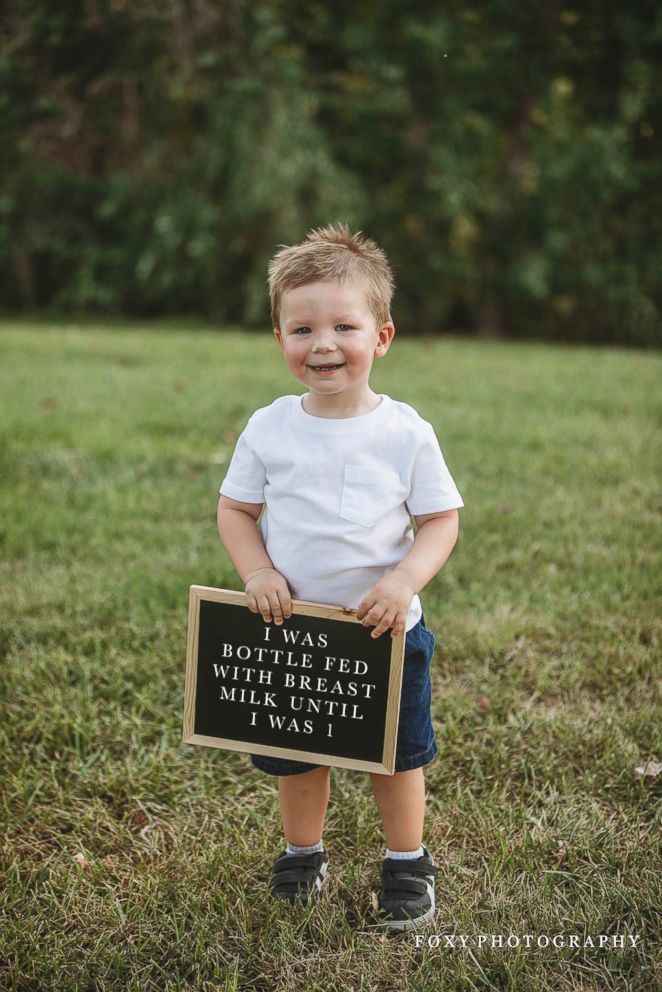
[[278, 723], [235, 695]]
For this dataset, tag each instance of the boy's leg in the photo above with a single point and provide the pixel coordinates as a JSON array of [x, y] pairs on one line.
[[400, 800], [303, 802], [407, 898]]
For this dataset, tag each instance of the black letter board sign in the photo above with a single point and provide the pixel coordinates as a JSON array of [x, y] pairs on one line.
[[317, 688]]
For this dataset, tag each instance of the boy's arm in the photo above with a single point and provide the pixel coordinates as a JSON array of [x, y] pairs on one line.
[[266, 589], [388, 602]]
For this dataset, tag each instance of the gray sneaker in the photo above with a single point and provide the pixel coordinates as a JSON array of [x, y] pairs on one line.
[[407, 896], [298, 876]]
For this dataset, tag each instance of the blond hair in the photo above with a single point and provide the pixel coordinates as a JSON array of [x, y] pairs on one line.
[[333, 253]]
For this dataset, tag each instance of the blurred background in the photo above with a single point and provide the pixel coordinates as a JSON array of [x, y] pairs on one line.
[[505, 155]]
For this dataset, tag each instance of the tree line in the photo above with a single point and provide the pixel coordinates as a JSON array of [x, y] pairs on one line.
[[505, 155]]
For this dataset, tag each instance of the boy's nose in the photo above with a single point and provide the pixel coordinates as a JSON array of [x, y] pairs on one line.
[[323, 342]]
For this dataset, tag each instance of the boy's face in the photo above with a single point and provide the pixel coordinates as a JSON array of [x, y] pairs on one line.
[[330, 338]]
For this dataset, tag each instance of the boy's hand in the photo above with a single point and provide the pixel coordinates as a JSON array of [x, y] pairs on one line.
[[268, 593], [387, 605]]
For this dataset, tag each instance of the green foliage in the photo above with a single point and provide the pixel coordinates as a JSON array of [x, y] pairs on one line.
[[503, 154]]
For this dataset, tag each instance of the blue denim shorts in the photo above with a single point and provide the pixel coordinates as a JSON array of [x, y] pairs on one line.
[[416, 745]]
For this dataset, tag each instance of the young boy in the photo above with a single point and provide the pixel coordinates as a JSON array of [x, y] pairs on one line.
[[339, 471]]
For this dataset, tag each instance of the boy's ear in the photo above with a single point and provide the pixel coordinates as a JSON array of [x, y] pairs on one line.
[[385, 336], [279, 338]]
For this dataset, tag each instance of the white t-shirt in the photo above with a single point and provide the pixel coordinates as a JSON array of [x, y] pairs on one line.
[[339, 493]]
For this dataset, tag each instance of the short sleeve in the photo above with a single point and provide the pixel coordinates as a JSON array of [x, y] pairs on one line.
[[246, 476], [432, 487]]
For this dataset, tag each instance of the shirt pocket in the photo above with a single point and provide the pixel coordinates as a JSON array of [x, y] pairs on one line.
[[369, 493]]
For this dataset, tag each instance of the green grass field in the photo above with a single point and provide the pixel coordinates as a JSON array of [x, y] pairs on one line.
[[133, 862]]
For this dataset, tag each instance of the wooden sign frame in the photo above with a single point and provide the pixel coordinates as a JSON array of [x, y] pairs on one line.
[[385, 766]]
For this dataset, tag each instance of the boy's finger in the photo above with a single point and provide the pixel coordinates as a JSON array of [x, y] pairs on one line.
[[379, 630], [276, 610], [285, 604], [265, 609], [386, 621], [363, 608], [373, 616], [398, 625]]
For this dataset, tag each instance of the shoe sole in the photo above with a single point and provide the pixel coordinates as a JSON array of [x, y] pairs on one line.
[[409, 924], [412, 923]]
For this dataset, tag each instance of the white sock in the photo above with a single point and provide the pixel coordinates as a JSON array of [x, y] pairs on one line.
[[401, 855], [293, 849]]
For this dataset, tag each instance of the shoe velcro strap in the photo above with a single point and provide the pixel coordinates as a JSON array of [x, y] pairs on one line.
[[299, 861], [284, 877], [396, 888], [394, 867]]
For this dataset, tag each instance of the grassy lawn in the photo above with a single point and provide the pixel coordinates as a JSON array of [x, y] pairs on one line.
[[133, 862]]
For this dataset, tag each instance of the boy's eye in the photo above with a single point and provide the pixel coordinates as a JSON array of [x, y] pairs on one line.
[[306, 330]]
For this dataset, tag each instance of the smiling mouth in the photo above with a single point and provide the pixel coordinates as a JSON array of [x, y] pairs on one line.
[[326, 368]]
